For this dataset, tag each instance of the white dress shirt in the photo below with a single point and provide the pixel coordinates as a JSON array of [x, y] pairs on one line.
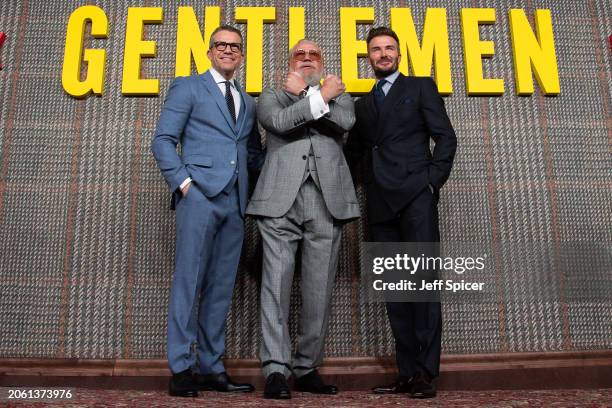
[[220, 80], [390, 80], [318, 107]]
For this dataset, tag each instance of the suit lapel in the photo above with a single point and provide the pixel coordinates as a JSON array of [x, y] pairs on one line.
[[370, 104], [395, 92], [392, 98], [243, 108], [218, 97]]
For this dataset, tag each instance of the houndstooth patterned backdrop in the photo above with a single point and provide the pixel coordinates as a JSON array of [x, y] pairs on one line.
[[87, 239]]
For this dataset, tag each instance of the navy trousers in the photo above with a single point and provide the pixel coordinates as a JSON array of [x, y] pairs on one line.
[[416, 327]]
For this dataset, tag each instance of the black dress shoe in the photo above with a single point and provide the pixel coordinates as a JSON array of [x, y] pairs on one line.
[[403, 385], [277, 387], [312, 382], [182, 385], [422, 387], [220, 382]]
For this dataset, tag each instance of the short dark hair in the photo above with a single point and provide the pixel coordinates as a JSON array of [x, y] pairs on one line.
[[224, 27], [380, 31]]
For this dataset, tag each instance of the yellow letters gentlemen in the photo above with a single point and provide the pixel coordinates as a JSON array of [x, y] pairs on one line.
[[533, 49]]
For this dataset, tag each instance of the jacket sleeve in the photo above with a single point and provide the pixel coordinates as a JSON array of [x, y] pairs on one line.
[[440, 130], [341, 116], [279, 119], [174, 116]]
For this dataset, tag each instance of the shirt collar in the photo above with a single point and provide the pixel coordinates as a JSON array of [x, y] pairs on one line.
[[219, 78], [391, 78], [313, 89]]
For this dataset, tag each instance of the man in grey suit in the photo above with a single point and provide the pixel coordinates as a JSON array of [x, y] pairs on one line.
[[304, 194], [214, 121]]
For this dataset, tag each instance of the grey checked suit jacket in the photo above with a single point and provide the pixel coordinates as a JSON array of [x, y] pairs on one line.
[[290, 130]]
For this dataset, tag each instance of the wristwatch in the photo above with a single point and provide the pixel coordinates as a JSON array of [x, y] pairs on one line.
[[304, 92]]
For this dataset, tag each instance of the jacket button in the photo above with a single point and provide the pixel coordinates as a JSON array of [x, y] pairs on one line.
[[304, 157]]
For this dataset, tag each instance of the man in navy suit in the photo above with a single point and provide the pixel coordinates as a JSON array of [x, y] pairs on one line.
[[214, 121], [402, 180]]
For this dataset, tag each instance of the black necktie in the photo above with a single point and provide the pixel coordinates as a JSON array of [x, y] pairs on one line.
[[229, 99], [379, 95]]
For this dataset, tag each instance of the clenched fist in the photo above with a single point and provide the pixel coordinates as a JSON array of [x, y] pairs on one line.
[[332, 87], [294, 83]]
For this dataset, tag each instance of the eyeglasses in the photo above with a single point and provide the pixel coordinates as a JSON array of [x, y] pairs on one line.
[[313, 55], [222, 45]]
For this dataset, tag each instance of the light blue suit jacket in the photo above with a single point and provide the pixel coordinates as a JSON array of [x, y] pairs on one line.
[[213, 147]]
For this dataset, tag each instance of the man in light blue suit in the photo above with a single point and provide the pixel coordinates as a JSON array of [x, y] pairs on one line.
[[214, 121]]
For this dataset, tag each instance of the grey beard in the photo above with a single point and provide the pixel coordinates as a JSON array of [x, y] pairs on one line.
[[313, 79]]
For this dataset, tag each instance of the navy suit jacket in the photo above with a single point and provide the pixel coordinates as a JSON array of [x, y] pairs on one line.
[[390, 144], [213, 147]]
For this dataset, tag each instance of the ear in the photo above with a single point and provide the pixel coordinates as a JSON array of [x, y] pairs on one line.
[[209, 54]]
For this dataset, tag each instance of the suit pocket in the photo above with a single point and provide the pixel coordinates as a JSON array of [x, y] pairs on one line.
[[406, 101], [198, 160]]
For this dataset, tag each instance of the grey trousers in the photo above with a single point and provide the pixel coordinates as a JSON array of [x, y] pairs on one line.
[[309, 221]]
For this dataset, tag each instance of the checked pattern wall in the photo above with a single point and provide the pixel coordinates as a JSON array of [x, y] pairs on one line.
[[86, 236]]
